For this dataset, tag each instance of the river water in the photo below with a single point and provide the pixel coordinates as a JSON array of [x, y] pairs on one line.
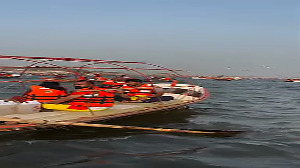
[[267, 110]]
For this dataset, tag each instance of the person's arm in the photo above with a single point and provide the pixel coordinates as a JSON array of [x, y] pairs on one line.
[[26, 92], [121, 93], [158, 91], [19, 99], [63, 99]]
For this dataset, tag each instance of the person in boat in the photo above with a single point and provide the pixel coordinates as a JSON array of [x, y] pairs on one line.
[[114, 83], [98, 77], [46, 91], [166, 79], [86, 96], [136, 91]]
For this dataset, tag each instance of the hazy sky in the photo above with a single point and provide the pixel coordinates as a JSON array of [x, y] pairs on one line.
[[209, 37]]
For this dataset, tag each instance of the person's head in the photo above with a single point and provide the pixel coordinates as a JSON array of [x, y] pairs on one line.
[[80, 84], [133, 82], [51, 85]]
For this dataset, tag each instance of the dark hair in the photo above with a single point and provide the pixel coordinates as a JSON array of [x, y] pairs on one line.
[[91, 82], [52, 85], [87, 81], [133, 80], [82, 80]]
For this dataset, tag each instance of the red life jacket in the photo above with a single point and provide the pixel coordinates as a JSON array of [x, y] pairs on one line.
[[143, 90], [99, 78], [119, 84], [43, 94], [167, 79], [113, 84], [174, 82], [108, 82], [91, 99]]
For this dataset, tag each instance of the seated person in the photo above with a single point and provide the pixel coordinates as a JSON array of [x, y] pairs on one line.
[[135, 91], [114, 83], [87, 97], [44, 92], [98, 77]]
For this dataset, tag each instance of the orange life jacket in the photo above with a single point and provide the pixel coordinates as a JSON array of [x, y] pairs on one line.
[[119, 84], [91, 99], [174, 82], [143, 90], [43, 94], [108, 82]]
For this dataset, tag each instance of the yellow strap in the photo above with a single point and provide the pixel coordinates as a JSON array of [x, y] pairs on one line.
[[65, 107], [136, 97]]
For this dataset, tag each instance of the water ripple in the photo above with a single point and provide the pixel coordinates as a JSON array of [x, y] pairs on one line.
[[267, 110]]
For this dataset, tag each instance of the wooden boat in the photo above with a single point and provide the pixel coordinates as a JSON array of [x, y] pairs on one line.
[[204, 77], [223, 78], [8, 75], [183, 94], [292, 80], [196, 77]]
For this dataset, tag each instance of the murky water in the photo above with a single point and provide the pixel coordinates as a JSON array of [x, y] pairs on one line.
[[269, 112]]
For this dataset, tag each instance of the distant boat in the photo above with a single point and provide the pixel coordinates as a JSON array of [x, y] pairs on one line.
[[7, 75], [197, 77], [225, 79], [203, 77], [292, 80], [228, 78]]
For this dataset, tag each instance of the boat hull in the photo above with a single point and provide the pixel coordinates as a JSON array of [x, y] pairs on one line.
[[119, 110]]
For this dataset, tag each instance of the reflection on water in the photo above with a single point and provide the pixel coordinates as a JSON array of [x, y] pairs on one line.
[[267, 110]]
